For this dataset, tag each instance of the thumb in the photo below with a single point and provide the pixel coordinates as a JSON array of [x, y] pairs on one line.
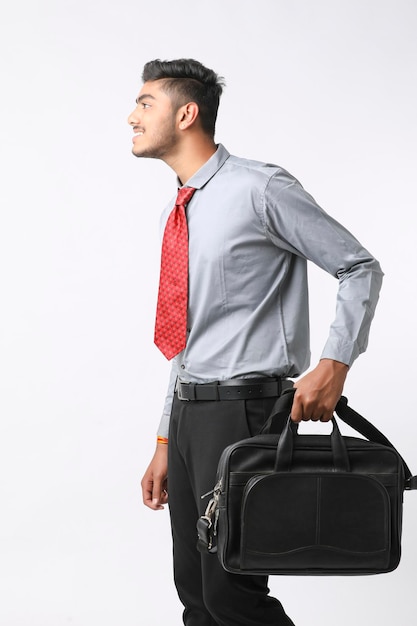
[[157, 492]]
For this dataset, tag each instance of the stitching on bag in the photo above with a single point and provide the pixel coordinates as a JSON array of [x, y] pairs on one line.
[[318, 511]]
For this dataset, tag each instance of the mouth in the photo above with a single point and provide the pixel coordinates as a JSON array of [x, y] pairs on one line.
[[137, 133]]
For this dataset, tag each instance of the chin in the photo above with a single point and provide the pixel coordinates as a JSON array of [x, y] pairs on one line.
[[137, 153]]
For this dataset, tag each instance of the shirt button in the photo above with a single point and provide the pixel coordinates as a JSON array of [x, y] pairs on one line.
[[183, 367]]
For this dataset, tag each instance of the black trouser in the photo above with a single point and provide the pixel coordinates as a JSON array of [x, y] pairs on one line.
[[199, 432]]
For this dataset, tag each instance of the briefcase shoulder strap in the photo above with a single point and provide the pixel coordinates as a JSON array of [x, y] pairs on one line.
[[361, 425]]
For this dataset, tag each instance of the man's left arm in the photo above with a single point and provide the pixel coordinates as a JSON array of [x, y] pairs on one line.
[[294, 219]]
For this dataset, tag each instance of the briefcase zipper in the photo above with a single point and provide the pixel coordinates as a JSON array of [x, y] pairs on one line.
[[211, 514]]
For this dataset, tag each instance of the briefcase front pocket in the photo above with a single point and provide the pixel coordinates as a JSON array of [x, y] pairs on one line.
[[315, 522]]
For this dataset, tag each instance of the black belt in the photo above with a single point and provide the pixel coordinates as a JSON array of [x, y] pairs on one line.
[[234, 389]]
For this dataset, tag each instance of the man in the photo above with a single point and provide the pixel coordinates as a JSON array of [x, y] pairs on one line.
[[240, 329]]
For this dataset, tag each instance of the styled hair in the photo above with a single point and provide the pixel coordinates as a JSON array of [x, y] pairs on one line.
[[187, 80]]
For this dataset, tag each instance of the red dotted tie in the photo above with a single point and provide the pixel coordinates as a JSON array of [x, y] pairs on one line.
[[171, 311]]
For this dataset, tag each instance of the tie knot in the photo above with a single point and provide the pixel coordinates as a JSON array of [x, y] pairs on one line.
[[184, 196]]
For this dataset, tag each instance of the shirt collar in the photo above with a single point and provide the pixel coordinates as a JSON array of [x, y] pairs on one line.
[[209, 169]]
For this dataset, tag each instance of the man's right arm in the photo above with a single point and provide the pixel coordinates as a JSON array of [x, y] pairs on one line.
[[155, 480]]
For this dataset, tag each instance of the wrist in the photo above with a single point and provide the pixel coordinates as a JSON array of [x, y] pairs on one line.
[[336, 365]]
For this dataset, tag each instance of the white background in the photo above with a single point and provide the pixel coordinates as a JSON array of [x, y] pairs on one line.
[[328, 90]]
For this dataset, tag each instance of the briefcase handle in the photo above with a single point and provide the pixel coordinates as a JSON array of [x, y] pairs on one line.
[[282, 409], [283, 460]]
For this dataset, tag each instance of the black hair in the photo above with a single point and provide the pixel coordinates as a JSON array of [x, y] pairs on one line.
[[187, 80]]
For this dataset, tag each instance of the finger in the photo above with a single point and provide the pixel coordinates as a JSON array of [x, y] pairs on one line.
[[147, 495], [164, 492], [164, 496], [326, 417], [297, 410], [157, 493]]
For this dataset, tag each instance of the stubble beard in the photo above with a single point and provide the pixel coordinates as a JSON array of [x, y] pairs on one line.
[[161, 145]]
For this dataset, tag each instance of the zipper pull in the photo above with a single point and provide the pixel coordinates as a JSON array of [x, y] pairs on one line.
[[217, 489]]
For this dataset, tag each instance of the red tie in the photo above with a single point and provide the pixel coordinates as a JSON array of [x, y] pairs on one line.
[[171, 311]]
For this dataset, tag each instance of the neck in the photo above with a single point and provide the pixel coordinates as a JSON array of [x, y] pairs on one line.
[[190, 156]]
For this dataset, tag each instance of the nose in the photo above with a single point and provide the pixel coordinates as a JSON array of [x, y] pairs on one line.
[[133, 118]]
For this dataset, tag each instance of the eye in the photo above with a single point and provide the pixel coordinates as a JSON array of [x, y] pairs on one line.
[[145, 105]]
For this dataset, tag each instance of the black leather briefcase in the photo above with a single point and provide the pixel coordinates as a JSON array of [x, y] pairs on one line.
[[308, 504]]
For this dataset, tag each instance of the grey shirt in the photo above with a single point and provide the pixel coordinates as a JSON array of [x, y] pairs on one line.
[[252, 228]]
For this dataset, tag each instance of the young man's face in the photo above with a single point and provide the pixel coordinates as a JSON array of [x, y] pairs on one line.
[[153, 123]]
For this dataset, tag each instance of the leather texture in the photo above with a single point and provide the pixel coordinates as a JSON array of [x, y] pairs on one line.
[[309, 504], [233, 389]]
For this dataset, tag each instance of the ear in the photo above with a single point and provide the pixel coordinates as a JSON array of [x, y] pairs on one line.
[[187, 115]]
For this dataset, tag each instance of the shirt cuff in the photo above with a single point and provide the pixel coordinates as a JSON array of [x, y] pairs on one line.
[[163, 428], [345, 352]]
